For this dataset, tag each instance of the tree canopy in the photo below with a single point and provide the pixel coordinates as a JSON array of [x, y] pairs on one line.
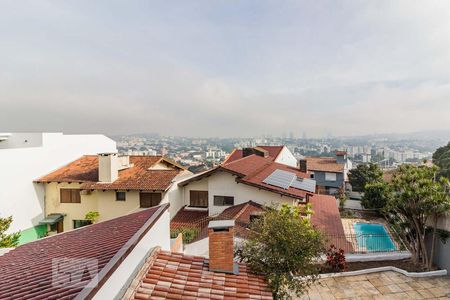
[[282, 245], [441, 158], [376, 195], [8, 240], [416, 198], [364, 174]]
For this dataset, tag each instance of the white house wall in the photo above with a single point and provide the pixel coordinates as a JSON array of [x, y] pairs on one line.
[[19, 166], [224, 184], [286, 157]]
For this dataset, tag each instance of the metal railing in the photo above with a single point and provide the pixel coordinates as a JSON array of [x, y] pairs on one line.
[[364, 243]]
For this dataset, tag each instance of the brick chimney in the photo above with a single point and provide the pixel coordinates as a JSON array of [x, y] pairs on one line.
[[303, 164], [221, 247]]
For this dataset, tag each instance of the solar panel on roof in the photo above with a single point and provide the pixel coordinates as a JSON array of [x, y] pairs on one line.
[[280, 178], [304, 184]]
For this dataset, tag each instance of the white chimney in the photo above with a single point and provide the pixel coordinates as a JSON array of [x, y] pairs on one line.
[[108, 167]]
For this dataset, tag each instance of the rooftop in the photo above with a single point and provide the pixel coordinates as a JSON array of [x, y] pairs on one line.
[[169, 275], [273, 152], [26, 271], [324, 164], [137, 177]]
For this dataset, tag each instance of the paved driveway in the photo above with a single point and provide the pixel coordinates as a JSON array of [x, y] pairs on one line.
[[383, 285]]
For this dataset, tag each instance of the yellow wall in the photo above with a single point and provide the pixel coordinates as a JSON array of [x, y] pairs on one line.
[[103, 202]]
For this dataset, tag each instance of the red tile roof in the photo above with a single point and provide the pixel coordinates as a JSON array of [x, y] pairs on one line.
[[189, 218], [327, 219], [252, 170], [324, 164], [26, 272], [177, 276], [273, 152], [137, 177]]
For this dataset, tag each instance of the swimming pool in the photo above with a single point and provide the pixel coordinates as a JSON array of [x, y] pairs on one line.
[[373, 237]]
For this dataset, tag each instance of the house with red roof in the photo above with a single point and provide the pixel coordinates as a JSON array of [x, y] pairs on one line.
[[251, 174], [110, 185], [279, 154], [127, 257], [330, 173]]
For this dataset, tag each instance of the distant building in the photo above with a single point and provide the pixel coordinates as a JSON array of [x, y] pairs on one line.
[[26, 156], [330, 173]]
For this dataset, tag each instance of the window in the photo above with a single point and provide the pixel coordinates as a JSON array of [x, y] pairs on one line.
[[198, 198], [330, 176], [70, 196], [223, 200], [149, 199], [80, 223], [121, 196]]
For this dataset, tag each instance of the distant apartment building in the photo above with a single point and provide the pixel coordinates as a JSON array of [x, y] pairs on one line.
[[330, 173], [26, 156], [109, 184]]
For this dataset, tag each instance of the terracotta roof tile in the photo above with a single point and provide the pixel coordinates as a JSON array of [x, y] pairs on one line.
[[324, 164], [26, 271], [198, 282], [137, 177], [273, 152]]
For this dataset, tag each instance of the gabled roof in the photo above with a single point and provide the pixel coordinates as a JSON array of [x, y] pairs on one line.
[[26, 271], [252, 170], [137, 177], [324, 164], [177, 276], [273, 152]]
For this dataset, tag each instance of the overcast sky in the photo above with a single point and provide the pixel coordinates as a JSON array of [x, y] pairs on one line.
[[225, 68]]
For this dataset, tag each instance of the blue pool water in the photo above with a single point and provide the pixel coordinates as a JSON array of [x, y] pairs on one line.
[[373, 237]]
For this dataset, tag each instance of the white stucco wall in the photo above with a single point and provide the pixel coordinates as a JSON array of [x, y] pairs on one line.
[[19, 166], [118, 282], [174, 195], [286, 157], [224, 184]]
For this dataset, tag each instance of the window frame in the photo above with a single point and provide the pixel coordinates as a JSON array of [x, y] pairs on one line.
[[195, 196], [88, 222], [224, 200], [124, 196], [328, 174], [152, 194], [74, 197]]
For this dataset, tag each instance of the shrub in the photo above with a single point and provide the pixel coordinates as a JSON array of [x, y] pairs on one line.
[[189, 234], [336, 259]]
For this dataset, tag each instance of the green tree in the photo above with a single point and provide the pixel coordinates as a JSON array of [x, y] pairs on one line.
[[441, 158], [282, 245], [417, 197], [376, 195], [8, 240], [364, 174]]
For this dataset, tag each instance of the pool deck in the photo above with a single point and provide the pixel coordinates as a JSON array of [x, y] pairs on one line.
[[381, 285]]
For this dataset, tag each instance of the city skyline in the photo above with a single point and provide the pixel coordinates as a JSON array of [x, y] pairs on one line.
[[214, 69]]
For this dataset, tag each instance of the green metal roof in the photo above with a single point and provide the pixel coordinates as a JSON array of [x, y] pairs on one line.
[[52, 219]]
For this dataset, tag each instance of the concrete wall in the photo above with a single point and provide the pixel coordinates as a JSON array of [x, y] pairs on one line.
[[224, 184], [19, 166], [286, 157], [119, 281], [442, 252]]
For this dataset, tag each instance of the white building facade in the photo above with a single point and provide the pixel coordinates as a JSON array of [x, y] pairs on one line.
[[26, 156]]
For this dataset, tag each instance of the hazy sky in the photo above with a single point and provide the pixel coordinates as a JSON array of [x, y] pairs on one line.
[[225, 68]]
